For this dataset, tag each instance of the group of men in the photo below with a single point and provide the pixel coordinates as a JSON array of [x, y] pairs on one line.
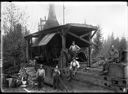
[[41, 75], [23, 75], [74, 65], [113, 57]]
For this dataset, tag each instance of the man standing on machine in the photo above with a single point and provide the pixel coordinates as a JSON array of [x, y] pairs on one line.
[[74, 49]]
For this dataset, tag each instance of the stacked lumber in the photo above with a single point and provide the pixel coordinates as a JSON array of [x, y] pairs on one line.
[[31, 75]]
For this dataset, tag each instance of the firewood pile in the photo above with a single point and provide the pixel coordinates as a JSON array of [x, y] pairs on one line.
[[28, 72], [31, 75]]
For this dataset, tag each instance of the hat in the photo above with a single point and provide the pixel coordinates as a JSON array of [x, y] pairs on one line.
[[36, 57], [56, 66], [73, 42], [75, 58], [41, 65], [112, 46]]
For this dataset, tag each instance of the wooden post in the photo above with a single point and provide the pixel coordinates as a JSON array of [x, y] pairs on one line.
[[30, 51], [93, 34], [89, 65], [27, 49], [63, 40], [63, 47]]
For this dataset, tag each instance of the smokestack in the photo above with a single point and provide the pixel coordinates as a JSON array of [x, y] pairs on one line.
[[52, 20]]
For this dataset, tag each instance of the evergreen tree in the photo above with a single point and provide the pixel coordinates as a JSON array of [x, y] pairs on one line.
[[13, 39], [97, 43], [119, 44], [112, 39], [122, 45], [52, 20], [107, 44]]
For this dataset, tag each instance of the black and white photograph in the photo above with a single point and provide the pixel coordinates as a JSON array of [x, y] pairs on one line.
[[64, 47]]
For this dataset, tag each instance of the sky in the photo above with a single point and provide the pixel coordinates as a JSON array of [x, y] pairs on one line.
[[110, 16]]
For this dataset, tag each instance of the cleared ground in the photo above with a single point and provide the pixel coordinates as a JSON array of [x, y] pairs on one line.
[[73, 86]]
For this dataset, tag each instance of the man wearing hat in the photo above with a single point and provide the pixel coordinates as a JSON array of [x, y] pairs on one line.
[[113, 58], [114, 54], [74, 65], [74, 49], [40, 76], [56, 75]]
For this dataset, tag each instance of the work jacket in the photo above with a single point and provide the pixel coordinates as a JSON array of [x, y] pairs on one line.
[[40, 72], [74, 64]]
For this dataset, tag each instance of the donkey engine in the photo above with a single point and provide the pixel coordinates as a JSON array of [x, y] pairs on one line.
[[118, 76]]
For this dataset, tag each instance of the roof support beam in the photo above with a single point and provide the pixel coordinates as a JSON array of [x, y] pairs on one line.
[[85, 35], [93, 33], [79, 37]]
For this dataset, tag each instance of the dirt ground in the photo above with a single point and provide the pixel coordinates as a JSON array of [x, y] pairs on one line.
[[75, 86]]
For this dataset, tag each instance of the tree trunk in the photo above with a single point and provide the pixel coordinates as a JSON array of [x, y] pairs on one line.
[[14, 63]]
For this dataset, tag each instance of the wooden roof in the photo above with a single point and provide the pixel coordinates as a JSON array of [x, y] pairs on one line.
[[74, 26], [80, 33]]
